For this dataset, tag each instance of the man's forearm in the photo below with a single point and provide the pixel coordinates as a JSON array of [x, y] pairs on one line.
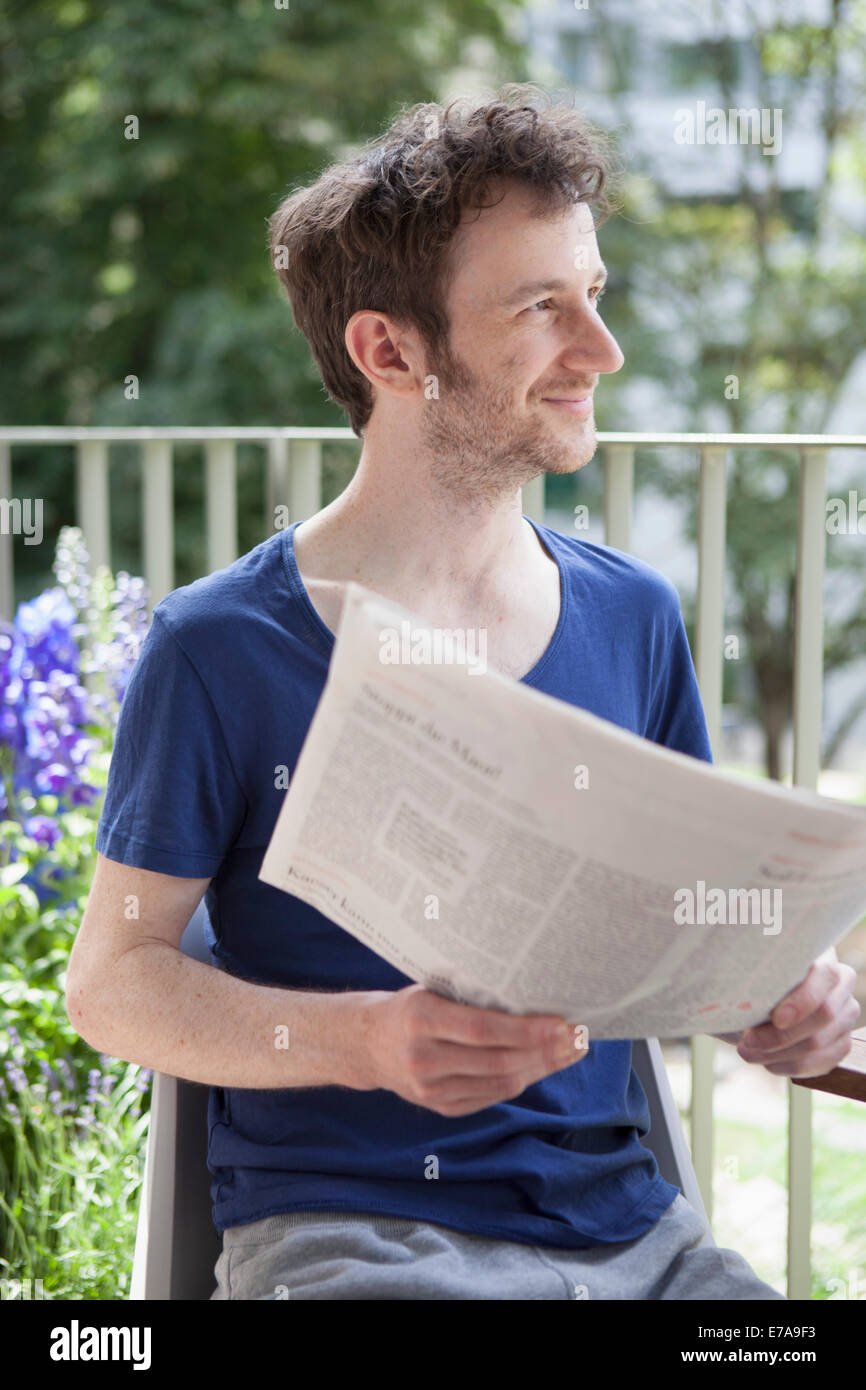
[[164, 1010]]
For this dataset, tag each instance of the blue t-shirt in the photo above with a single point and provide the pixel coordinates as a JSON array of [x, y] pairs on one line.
[[223, 693]]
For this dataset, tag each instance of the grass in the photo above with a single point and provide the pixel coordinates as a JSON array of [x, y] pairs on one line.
[[750, 1182]]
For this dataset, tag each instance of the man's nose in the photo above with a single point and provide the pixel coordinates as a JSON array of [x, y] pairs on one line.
[[593, 346]]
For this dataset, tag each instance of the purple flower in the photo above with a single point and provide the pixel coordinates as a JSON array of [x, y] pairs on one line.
[[64, 667], [16, 1076], [83, 794], [43, 829], [53, 780], [45, 624]]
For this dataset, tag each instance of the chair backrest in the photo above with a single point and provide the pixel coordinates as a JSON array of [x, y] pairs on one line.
[[177, 1245], [666, 1139]]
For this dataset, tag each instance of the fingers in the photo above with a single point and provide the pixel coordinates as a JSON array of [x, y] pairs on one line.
[[455, 1060], [830, 1014], [464, 1094], [795, 1017], [461, 1023], [809, 1063]]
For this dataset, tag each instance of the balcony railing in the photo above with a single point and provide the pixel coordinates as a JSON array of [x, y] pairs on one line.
[[293, 478]]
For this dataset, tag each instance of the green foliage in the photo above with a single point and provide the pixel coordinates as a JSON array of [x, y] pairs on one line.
[[745, 307], [71, 1148], [71, 1132], [149, 255]]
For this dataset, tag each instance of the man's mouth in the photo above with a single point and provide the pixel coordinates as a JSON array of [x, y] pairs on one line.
[[581, 406]]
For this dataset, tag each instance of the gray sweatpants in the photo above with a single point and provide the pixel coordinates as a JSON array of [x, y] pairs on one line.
[[356, 1255]]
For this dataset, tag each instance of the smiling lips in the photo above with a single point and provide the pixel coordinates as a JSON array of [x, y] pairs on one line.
[[574, 405]]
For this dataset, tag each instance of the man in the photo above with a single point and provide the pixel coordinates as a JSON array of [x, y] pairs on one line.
[[448, 281]]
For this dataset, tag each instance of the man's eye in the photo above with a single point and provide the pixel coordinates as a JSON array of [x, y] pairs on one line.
[[598, 289]]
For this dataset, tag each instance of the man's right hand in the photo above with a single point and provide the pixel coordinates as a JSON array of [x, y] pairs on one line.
[[453, 1058]]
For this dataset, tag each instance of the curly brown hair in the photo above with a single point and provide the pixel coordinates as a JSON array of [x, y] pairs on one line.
[[373, 231]]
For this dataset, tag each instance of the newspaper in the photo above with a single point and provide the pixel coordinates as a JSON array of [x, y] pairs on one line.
[[509, 850]]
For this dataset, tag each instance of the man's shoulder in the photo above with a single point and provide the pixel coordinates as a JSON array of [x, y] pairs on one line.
[[226, 597], [625, 574]]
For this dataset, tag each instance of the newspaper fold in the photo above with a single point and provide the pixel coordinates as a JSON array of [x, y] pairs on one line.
[[511, 851]]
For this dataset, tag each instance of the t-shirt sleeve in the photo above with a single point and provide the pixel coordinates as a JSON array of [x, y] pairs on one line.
[[173, 802], [677, 718]]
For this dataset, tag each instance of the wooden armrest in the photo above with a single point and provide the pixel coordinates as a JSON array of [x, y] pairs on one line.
[[849, 1078]]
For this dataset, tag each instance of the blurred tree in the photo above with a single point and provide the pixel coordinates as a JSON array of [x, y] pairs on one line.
[[747, 309], [148, 256]]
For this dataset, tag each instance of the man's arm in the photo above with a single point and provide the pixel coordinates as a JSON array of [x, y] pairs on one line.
[[131, 993]]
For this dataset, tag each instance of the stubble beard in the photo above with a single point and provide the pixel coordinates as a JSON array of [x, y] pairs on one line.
[[474, 447]]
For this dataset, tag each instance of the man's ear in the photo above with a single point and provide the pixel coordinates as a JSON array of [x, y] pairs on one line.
[[389, 356]]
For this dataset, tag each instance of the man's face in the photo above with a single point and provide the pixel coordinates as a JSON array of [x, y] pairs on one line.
[[526, 336]]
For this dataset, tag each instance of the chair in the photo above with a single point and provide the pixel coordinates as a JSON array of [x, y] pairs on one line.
[[176, 1244]]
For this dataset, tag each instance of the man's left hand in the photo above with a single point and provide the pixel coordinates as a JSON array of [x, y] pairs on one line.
[[810, 1027]]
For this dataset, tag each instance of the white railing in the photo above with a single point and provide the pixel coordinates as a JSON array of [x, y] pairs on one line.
[[293, 478]]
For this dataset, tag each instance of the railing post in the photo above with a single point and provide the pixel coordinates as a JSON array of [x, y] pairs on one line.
[[306, 479], [158, 520], [532, 500], [709, 632], [222, 506], [618, 495], [92, 499], [809, 617], [808, 686], [7, 575], [277, 484], [712, 515]]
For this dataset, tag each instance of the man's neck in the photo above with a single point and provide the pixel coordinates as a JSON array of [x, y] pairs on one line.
[[395, 531]]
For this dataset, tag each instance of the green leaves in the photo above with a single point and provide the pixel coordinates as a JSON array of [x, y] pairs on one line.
[[223, 94]]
